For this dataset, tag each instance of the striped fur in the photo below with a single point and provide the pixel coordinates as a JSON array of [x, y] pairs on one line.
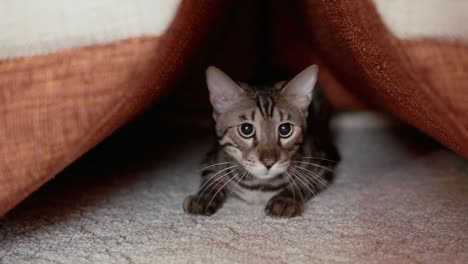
[[302, 164]]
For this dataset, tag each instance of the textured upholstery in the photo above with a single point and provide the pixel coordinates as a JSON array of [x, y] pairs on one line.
[[56, 106], [421, 81]]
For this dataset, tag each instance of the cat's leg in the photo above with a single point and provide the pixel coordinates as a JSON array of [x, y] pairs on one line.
[[285, 204], [209, 198], [304, 183]]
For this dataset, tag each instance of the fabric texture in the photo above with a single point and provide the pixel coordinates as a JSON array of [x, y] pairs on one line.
[[85, 82], [395, 199], [421, 81], [54, 108]]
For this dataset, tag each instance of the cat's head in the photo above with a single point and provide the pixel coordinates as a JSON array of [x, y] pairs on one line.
[[261, 127]]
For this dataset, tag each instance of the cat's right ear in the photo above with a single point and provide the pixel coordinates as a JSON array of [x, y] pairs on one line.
[[224, 92]]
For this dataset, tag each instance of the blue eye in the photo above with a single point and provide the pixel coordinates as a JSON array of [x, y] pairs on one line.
[[246, 130], [285, 130]]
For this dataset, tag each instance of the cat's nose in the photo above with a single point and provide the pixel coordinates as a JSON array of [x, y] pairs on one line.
[[269, 163], [269, 157]]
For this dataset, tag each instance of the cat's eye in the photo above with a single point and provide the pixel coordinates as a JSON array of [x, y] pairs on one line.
[[246, 130], [285, 130]]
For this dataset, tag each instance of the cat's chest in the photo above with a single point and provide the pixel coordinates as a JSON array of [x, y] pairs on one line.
[[258, 192], [254, 196]]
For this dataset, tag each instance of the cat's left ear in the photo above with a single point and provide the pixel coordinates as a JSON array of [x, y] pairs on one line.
[[299, 90], [224, 92]]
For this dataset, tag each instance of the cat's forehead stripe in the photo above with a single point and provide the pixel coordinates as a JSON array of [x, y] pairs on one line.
[[265, 104], [271, 105], [259, 106]]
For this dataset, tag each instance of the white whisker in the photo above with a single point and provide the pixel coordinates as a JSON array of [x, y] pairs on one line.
[[289, 179], [314, 181], [314, 176], [216, 164], [214, 175], [240, 179], [216, 193], [211, 182], [300, 176], [315, 165], [297, 187], [317, 158]]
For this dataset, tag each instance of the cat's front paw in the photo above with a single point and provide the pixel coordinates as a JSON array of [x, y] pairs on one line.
[[201, 205], [280, 206]]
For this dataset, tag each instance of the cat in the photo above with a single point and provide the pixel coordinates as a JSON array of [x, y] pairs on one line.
[[274, 145]]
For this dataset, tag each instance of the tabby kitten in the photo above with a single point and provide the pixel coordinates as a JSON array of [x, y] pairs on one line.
[[265, 152]]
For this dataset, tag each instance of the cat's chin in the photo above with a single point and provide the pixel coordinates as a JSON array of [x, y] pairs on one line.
[[266, 174]]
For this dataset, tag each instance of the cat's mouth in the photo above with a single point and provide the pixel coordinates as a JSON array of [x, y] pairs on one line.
[[263, 173]]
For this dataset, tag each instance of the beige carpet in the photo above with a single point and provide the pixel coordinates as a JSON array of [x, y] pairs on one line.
[[397, 198]]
